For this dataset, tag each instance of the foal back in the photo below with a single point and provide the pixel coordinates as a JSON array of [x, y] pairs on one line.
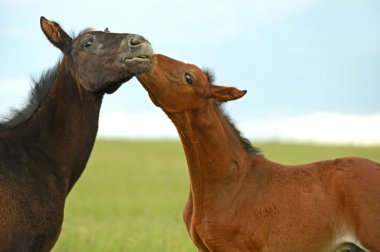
[[324, 206]]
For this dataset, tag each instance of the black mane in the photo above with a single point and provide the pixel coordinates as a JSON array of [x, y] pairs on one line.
[[210, 75], [39, 90], [244, 141]]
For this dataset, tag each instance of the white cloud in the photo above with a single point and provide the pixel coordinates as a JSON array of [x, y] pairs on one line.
[[143, 125], [14, 91], [318, 128], [15, 85], [327, 128]]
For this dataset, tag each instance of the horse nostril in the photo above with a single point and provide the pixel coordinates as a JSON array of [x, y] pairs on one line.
[[135, 41]]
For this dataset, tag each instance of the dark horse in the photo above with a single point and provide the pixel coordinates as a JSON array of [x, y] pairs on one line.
[[45, 146], [241, 201]]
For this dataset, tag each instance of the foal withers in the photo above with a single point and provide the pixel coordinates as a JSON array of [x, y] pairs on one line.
[[241, 201]]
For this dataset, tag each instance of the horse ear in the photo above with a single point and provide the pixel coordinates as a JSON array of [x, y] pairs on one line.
[[56, 35], [223, 94]]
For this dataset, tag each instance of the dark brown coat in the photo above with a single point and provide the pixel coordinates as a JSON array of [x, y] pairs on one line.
[[45, 146]]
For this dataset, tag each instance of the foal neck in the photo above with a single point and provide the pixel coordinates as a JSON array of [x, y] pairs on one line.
[[214, 149]]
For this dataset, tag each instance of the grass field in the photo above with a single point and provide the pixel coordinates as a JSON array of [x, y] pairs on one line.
[[131, 195]]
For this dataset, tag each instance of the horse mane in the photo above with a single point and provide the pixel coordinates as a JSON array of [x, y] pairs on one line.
[[248, 147], [210, 74], [244, 141], [39, 90]]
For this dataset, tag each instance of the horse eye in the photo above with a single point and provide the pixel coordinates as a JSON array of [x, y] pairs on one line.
[[188, 78], [88, 43]]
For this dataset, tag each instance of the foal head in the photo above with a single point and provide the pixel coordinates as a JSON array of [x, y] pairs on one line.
[[101, 60], [176, 86]]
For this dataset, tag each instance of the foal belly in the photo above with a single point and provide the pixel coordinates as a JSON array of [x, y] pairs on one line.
[[227, 236]]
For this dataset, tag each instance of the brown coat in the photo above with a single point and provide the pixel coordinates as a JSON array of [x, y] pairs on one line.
[[241, 201]]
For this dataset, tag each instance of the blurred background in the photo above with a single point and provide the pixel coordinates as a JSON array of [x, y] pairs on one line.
[[311, 67]]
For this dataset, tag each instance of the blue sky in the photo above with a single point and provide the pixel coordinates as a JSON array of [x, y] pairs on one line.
[[296, 58]]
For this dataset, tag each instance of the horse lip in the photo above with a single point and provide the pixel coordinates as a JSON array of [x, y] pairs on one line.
[[137, 58], [145, 54], [142, 56]]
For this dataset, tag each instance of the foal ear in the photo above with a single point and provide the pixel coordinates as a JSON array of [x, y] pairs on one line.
[[56, 35], [223, 94]]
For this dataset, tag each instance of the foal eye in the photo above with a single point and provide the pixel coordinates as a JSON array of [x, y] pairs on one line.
[[188, 78], [88, 43]]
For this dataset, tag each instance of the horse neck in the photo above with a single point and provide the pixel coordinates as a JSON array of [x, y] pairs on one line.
[[212, 146], [63, 127]]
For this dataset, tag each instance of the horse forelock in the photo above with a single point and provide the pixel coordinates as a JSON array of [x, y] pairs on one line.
[[87, 30]]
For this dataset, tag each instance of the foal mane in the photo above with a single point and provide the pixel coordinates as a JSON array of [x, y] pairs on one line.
[[244, 141], [248, 147], [210, 74], [38, 92]]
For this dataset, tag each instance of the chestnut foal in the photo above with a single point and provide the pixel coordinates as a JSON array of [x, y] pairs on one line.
[[241, 201]]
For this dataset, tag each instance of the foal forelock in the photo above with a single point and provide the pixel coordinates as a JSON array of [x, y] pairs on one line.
[[38, 92], [244, 141], [210, 74]]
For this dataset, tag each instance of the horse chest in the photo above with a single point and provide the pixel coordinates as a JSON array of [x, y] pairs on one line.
[[217, 234], [30, 219], [42, 225], [32, 231]]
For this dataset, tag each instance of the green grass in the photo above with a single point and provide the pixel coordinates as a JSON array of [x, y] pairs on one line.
[[131, 195]]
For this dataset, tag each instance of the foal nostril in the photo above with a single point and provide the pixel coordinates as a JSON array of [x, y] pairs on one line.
[[136, 41]]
